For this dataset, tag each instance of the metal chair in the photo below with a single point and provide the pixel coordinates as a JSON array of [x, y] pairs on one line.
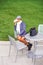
[[40, 28], [38, 53], [19, 46]]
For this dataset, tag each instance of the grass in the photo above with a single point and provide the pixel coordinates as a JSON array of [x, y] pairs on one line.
[[30, 10]]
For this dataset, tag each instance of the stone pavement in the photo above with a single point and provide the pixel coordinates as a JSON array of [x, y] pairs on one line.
[[22, 59]]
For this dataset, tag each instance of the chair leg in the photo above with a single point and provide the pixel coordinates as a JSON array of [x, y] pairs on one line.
[[9, 49], [32, 57], [22, 51], [34, 60], [16, 56]]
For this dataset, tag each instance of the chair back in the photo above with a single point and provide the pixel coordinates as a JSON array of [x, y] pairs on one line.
[[40, 28], [12, 41]]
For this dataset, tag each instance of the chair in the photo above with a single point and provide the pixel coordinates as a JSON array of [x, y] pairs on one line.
[[40, 28], [19, 46], [38, 53]]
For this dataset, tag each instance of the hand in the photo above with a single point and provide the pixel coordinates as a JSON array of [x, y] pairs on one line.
[[23, 38], [19, 37], [15, 21]]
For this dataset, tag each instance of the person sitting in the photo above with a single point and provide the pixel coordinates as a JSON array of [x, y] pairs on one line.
[[20, 29]]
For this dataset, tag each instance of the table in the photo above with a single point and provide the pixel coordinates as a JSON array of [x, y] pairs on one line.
[[36, 38]]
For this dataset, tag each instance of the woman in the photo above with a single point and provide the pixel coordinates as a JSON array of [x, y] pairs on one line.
[[20, 29]]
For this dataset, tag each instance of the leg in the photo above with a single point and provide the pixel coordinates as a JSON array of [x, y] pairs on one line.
[[22, 39]]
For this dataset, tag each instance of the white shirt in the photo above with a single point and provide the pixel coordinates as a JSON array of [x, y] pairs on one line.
[[18, 27]]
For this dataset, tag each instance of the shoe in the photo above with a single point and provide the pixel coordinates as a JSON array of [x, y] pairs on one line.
[[29, 46]]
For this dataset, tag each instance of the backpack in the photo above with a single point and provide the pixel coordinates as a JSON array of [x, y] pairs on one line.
[[33, 31]]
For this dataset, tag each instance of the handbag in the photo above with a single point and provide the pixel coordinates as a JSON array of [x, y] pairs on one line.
[[33, 31]]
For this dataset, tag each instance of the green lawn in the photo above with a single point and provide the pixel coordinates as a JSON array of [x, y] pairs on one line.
[[30, 10]]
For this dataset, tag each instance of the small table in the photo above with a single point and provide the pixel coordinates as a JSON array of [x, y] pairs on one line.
[[36, 38]]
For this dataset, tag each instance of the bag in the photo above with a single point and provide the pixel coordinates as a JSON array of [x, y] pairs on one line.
[[33, 31]]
